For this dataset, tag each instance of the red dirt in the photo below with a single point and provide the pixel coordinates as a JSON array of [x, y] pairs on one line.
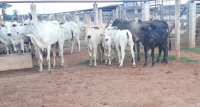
[[176, 84]]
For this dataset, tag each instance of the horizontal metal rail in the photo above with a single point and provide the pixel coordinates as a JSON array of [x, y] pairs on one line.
[[58, 1]]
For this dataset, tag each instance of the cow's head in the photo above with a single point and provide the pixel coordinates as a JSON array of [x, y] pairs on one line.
[[27, 27]]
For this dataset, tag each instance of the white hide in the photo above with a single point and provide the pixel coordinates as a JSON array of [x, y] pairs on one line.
[[108, 44], [93, 40], [121, 39], [4, 38], [72, 32], [44, 34]]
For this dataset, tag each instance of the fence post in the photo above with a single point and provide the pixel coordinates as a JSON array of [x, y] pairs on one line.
[[177, 28], [191, 24], [95, 13], [100, 16], [145, 11], [34, 18]]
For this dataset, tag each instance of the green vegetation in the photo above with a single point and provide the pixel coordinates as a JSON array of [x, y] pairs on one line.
[[186, 59], [171, 57], [196, 49]]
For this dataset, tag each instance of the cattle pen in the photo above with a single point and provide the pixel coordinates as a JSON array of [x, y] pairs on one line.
[[78, 84]]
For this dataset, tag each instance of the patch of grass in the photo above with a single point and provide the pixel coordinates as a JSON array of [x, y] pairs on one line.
[[68, 42], [186, 59], [171, 57], [195, 50], [82, 38]]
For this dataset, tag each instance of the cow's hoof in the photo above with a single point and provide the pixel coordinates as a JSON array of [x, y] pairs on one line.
[[50, 70], [95, 65], [40, 71], [145, 64], [153, 64], [134, 66], [109, 64], [64, 65], [54, 65], [90, 65]]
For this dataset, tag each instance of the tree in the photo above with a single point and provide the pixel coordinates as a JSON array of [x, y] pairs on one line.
[[4, 6], [15, 14]]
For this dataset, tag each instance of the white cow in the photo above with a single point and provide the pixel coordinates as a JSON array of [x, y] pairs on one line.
[[44, 35], [93, 40], [108, 44], [71, 31], [19, 40], [5, 37], [121, 39]]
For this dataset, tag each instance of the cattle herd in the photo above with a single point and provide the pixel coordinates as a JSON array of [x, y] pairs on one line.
[[50, 35]]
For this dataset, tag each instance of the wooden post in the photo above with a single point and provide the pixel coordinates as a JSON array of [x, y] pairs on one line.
[[87, 20], [34, 18], [117, 13], [177, 28], [145, 11], [100, 16], [1, 15], [136, 12], [191, 23], [95, 13]]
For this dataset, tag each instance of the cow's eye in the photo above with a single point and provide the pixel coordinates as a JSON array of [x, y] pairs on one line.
[[14, 25], [25, 24]]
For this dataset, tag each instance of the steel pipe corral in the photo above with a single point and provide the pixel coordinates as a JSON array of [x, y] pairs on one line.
[[78, 1]]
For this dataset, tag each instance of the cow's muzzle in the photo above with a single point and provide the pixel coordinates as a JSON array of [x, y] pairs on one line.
[[89, 36], [8, 34]]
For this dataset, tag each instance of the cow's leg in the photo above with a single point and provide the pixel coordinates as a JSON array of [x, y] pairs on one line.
[[7, 50], [54, 54], [101, 53], [122, 56], [109, 55], [41, 59], [152, 56], [118, 52], [73, 41], [165, 58], [48, 57], [61, 43], [106, 55], [138, 51], [79, 46], [133, 56], [22, 45], [95, 56], [146, 56], [159, 53], [90, 55]]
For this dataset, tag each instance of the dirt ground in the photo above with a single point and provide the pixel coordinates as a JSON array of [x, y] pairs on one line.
[[176, 84]]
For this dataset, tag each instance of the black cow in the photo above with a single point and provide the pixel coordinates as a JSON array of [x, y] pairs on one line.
[[137, 29], [133, 27], [155, 36]]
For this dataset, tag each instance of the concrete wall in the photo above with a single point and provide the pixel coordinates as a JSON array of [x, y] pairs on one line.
[[15, 61]]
